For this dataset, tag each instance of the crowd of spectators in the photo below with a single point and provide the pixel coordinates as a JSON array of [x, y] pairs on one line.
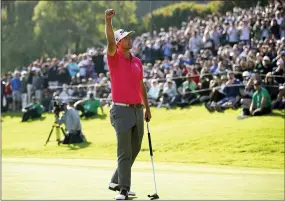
[[216, 60]]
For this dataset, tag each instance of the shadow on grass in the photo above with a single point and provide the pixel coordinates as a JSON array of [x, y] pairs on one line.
[[98, 116], [77, 146], [276, 114], [132, 198]]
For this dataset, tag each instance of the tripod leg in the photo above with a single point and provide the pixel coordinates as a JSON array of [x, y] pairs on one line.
[[49, 135], [63, 131]]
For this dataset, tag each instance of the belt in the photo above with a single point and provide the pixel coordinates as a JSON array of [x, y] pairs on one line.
[[129, 105]]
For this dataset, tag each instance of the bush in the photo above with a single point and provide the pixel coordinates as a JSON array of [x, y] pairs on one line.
[[229, 5], [174, 14]]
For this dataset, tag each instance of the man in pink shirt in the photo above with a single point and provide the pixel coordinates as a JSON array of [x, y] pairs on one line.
[[128, 94]]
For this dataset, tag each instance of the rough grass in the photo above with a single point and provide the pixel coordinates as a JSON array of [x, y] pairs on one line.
[[188, 136]]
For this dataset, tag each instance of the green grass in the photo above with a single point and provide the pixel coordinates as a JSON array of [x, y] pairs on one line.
[[188, 136]]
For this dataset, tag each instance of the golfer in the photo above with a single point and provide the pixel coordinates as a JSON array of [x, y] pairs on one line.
[[128, 94]]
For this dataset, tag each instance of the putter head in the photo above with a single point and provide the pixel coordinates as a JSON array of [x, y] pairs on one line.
[[153, 196]]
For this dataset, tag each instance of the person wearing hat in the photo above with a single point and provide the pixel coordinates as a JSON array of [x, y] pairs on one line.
[[71, 120], [261, 101], [33, 111], [89, 107], [266, 64], [128, 93]]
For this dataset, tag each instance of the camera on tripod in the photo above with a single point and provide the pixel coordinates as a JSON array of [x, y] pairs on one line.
[[57, 105]]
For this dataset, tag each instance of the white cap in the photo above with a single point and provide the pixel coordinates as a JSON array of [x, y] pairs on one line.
[[266, 58], [246, 74], [168, 76], [24, 72], [279, 62], [120, 34]]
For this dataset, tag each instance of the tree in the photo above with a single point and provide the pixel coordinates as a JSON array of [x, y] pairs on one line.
[[17, 38], [76, 24]]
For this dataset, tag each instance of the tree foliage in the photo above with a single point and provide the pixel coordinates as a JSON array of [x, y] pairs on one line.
[[32, 29]]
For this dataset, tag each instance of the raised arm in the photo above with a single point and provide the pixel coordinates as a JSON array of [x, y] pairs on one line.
[[111, 44]]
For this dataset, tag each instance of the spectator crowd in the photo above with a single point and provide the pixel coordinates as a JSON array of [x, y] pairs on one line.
[[221, 61]]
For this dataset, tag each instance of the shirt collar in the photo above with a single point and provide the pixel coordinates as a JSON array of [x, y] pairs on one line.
[[122, 55]]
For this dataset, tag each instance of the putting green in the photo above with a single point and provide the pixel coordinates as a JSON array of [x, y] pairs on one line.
[[24, 178]]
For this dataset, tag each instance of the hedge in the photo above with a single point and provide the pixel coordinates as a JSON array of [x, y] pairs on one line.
[[175, 14]]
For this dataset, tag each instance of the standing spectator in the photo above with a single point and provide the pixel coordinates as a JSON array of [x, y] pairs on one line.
[[232, 34], [52, 74], [38, 83], [275, 29], [23, 90], [16, 94], [31, 73], [244, 32]]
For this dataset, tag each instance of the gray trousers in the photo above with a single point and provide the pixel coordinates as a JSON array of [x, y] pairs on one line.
[[129, 126]]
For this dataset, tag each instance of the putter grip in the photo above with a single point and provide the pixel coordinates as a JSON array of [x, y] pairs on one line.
[[149, 143]]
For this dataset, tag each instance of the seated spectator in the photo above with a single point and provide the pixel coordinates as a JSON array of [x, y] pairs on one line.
[[89, 107], [169, 93], [81, 91], [47, 100], [261, 102], [232, 95], [216, 94], [154, 93], [280, 70], [246, 94], [279, 103], [271, 85], [63, 95], [33, 110], [188, 86]]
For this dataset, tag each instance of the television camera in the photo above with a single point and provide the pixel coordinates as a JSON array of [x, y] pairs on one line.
[[57, 108]]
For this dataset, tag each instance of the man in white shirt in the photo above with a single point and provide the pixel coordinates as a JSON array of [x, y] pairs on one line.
[[195, 43], [232, 34], [244, 32]]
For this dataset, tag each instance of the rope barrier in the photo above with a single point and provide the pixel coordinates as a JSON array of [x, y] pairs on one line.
[[190, 92], [164, 79]]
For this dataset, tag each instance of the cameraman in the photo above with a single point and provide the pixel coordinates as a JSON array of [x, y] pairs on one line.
[[71, 119]]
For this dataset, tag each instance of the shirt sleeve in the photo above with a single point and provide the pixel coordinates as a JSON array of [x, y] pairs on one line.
[[112, 60], [141, 74]]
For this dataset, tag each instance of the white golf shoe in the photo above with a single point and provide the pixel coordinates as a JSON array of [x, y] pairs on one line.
[[115, 187], [123, 195]]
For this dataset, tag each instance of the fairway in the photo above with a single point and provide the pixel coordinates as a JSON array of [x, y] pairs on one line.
[[185, 136], [197, 156], [88, 180]]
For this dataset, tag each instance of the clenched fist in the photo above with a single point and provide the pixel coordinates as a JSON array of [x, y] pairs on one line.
[[109, 13]]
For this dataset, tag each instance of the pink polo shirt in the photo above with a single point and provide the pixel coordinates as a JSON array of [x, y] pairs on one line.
[[126, 76]]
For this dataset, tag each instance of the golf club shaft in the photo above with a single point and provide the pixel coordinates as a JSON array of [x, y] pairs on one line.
[[151, 156], [153, 174]]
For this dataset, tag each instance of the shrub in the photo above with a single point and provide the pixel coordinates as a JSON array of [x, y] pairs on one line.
[[175, 14]]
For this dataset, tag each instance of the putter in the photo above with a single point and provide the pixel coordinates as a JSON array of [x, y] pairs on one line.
[[155, 195]]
